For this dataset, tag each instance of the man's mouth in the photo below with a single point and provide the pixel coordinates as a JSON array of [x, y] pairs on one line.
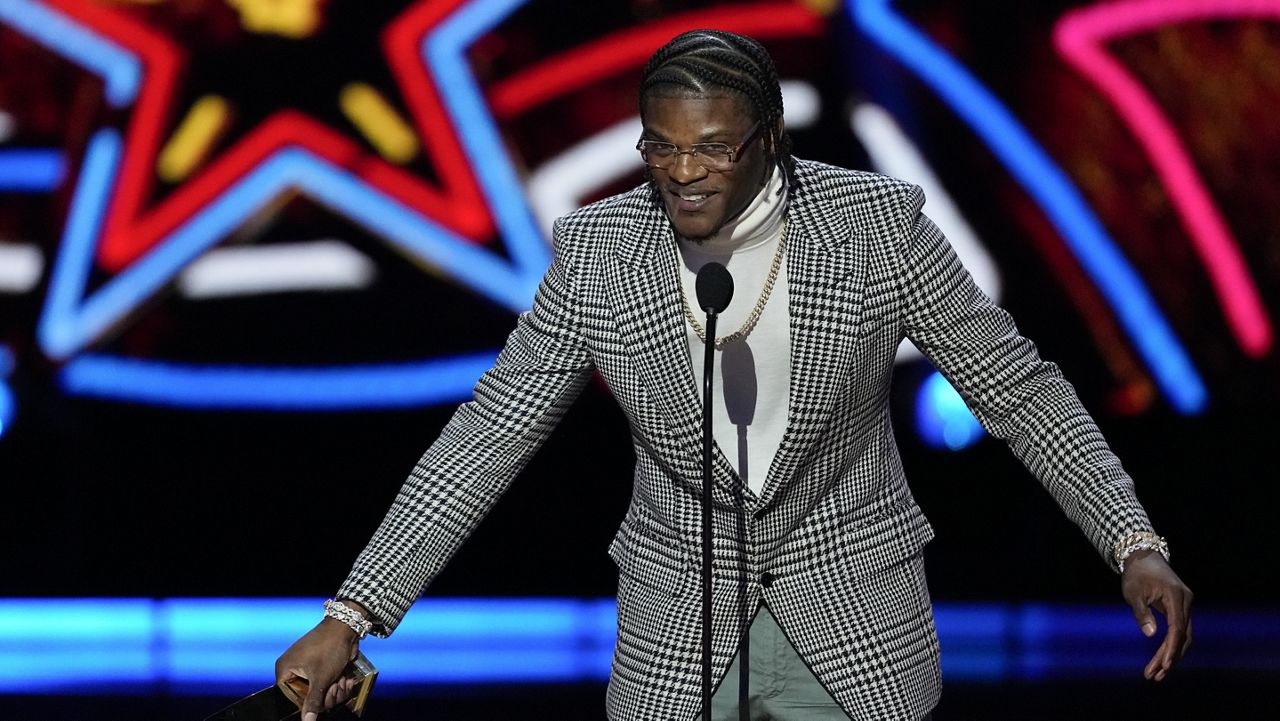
[[689, 200]]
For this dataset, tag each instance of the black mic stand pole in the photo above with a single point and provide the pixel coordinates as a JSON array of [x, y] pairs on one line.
[[708, 378], [715, 290]]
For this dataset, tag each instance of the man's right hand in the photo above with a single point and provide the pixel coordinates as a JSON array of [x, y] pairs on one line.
[[320, 657]]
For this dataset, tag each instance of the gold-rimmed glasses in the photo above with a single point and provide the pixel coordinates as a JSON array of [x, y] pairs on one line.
[[716, 157]]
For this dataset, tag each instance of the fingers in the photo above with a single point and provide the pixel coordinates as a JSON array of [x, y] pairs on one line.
[[1146, 621], [1176, 606], [314, 703], [331, 697]]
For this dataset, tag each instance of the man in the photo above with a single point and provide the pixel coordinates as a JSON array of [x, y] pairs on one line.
[[818, 538]]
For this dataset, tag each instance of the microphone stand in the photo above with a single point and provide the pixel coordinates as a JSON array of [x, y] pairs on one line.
[[708, 379], [715, 290]]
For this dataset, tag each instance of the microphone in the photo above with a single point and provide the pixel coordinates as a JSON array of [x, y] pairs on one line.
[[715, 288]]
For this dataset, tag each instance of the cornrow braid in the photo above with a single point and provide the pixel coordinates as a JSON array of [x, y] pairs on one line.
[[701, 61]]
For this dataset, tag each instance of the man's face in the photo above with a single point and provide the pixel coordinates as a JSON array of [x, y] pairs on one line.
[[699, 201]]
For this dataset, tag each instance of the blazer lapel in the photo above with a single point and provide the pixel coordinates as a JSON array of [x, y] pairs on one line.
[[643, 290], [825, 278]]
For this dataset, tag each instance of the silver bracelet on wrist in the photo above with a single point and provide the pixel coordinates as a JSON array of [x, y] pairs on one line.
[[339, 611], [1139, 541]]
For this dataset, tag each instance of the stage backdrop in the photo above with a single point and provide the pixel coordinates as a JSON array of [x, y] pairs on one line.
[[252, 253]]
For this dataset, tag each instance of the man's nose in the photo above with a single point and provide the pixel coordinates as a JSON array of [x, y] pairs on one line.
[[686, 168]]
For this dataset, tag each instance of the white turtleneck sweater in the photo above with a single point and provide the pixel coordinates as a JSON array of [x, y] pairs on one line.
[[752, 375]]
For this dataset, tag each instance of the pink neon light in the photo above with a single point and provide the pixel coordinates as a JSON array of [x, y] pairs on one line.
[[1080, 36]]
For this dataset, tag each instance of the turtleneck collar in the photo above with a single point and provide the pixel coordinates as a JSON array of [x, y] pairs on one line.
[[759, 222]]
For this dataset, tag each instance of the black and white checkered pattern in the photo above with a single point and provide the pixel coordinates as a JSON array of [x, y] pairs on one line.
[[835, 534]]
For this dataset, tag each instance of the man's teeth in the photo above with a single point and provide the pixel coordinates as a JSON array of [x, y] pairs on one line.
[[697, 197]]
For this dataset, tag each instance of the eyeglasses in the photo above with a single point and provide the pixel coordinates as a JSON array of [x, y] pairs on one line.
[[716, 157]]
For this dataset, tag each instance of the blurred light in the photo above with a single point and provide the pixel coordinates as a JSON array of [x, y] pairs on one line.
[[559, 185], [20, 267], [67, 325], [288, 18], [802, 102], [942, 418], [628, 49], [1053, 191], [72, 318], [444, 51], [392, 385], [31, 171], [194, 137], [199, 644], [8, 407], [60, 327], [277, 268], [1081, 37], [120, 70], [389, 134], [7, 126]]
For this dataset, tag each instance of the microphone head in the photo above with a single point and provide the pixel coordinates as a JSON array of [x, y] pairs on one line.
[[715, 288]]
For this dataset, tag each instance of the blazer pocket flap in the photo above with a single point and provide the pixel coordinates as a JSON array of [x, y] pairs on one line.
[[663, 566], [882, 542]]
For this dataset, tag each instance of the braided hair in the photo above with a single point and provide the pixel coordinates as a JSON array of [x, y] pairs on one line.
[[700, 61]]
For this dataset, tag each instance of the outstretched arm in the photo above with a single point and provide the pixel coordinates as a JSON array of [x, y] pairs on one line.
[[516, 404], [1025, 401]]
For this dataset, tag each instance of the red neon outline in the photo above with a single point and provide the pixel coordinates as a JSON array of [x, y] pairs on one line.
[[1080, 37], [129, 229], [632, 47]]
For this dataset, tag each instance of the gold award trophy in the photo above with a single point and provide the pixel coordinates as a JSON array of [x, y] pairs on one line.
[[283, 701]]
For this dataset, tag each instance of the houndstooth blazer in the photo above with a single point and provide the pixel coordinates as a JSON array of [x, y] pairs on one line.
[[833, 541]]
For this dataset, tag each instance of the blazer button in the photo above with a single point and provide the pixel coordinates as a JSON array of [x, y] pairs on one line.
[[766, 579]]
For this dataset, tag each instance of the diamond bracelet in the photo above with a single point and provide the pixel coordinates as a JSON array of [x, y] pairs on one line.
[[339, 611], [1139, 541]]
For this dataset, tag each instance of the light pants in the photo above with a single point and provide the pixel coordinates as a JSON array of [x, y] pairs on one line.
[[781, 686]]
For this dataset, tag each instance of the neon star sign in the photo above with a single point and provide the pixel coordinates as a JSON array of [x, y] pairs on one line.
[[110, 221], [147, 244]]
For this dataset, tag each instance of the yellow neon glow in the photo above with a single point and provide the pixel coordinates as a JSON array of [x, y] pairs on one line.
[[822, 7], [389, 134], [195, 135], [289, 18]]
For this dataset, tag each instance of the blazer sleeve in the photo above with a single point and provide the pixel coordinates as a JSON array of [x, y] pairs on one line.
[[1017, 396], [515, 406]]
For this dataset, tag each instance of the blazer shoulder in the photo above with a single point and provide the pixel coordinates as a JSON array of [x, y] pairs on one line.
[[595, 225], [874, 202]]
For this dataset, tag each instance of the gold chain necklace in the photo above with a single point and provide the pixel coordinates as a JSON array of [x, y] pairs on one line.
[[752, 319]]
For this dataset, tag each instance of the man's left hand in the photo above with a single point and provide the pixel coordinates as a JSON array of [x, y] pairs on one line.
[[1148, 582]]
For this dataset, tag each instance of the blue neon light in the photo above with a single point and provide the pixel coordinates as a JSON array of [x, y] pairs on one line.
[[72, 319], [66, 327], [119, 69], [1136, 311], [139, 645], [393, 385], [31, 170], [8, 408], [444, 52], [59, 327], [942, 418]]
